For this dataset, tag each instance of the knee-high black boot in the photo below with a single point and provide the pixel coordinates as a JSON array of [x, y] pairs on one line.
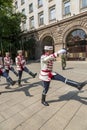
[[19, 83], [75, 84], [10, 81], [43, 100], [32, 74]]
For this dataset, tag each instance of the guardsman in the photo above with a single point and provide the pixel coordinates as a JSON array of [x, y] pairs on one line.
[[21, 66], [4, 73], [8, 64], [46, 73], [63, 61]]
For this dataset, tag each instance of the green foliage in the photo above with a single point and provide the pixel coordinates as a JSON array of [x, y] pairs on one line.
[[9, 26]]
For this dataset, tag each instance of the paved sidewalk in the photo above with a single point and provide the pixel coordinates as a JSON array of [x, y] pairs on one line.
[[21, 108]]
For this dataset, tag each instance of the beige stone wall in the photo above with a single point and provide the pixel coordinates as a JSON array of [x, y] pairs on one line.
[[60, 30]]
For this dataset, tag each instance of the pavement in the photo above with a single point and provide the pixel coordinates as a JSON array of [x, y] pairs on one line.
[[21, 108]]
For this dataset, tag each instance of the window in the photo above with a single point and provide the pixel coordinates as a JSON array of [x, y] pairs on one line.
[[23, 11], [40, 3], [31, 8], [24, 25], [66, 7], [31, 20], [84, 3], [41, 18], [22, 2], [16, 4], [52, 15]]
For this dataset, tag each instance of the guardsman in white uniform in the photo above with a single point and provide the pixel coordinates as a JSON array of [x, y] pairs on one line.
[[4, 73], [8, 64], [21, 66], [46, 73]]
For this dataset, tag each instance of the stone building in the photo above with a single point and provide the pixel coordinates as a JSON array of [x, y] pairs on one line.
[[61, 23]]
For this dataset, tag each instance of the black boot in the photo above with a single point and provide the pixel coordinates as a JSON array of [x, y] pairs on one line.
[[10, 81], [43, 100], [19, 83], [81, 85], [0, 93], [32, 74], [75, 84]]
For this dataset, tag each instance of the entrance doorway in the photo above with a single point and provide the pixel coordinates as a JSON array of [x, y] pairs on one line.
[[48, 41], [76, 45]]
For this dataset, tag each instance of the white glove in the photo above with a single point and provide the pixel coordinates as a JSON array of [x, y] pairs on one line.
[[61, 51]]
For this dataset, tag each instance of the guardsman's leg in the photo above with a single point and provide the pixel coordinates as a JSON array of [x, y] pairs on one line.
[[29, 72], [45, 90], [78, 85]]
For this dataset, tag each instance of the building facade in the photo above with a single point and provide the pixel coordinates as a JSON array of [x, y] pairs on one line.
[[61, 23]]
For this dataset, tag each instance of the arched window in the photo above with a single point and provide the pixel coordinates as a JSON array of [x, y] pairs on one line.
[[75, 36]]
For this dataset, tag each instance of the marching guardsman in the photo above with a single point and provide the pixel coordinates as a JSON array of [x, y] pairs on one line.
[[47, 74], [8, 64], [4, 73], [63, 61], [21, 66]]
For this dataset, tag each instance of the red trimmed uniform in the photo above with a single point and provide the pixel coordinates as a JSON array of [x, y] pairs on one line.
[[46, 72]]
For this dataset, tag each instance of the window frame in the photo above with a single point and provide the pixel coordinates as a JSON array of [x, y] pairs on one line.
[[39, 18], [22, 2], [83, 5], [30, 22], [50, 16], [65, 12], [16, 4], [40, 4], [31, 8]]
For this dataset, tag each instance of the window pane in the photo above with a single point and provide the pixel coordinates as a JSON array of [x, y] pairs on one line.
[[16, 4], [41, 18], [84, 3], [66, 8], [31, 7], [52, 13], [22, 1], [32, 22], [40, 2], [23, 11]]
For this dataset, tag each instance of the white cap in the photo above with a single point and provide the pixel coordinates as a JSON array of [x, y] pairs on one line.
[[19, 51], [7, 53], [48, 47]]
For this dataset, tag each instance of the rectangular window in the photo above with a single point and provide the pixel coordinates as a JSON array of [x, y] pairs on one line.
[[24, 25], [31, 8], [23, 11], [41, 18], [52, 11], [84, 3], [16, 4], [22, 2], [31, 20], [67, 7], [40, 3]]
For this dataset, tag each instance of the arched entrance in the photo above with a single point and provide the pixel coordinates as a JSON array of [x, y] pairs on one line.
[[48, 40], [76, 45]]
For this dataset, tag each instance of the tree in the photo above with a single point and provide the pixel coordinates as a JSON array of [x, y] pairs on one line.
[[9, 26]]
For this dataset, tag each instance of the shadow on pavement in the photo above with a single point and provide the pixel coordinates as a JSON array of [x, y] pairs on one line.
[[69, 68], [73, 95], [25, 89]]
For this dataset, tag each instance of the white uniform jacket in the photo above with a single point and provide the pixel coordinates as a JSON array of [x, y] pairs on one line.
[[20, 62], [7, 62], [47, 66]]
